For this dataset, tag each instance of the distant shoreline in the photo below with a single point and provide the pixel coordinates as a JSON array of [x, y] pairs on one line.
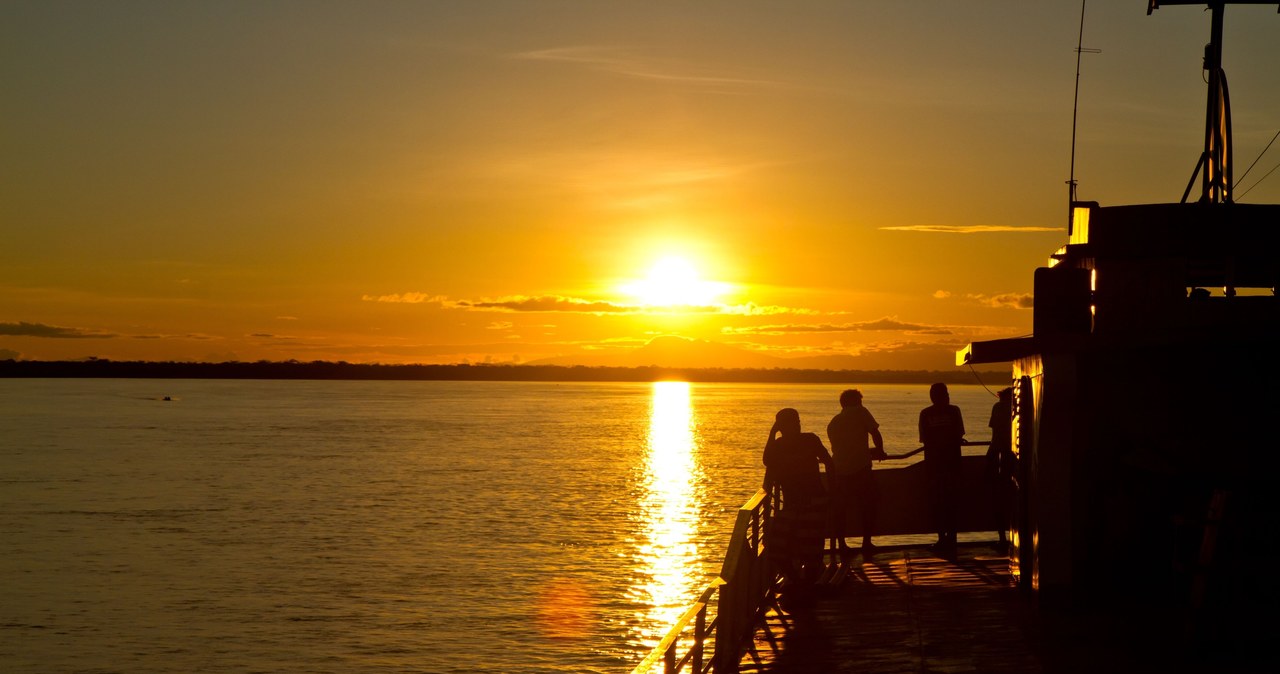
[[325, 370]]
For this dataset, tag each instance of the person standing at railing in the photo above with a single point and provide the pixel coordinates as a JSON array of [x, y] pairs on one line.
[[793, 461], [942, 434], [1001, 462], [852, 434]]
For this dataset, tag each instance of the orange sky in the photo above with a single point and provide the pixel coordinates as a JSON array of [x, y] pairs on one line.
[[870, 183]]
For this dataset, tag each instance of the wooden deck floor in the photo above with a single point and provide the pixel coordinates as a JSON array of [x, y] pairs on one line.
[[905, 610]]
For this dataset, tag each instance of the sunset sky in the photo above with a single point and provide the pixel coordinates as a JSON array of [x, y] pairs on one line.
[[437, 182]]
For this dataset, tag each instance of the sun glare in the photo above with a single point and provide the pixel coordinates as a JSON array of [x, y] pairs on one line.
[[668, 566], [673, 281]]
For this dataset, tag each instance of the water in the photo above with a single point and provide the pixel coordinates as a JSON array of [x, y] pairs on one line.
[[293, 526]]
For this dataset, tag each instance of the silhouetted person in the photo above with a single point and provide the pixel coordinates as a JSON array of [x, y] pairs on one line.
[[852, 434], [793, 461], [942, 433], [1001, 461]]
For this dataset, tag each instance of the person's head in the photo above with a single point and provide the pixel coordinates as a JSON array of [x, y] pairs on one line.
[[787, 420], [1006, 394], [850, 398], [939, 395]]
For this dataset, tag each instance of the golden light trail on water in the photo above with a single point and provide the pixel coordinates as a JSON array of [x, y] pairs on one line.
[[670, 571]]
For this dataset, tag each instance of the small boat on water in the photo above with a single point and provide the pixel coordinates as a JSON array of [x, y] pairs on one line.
[[1143, 423]]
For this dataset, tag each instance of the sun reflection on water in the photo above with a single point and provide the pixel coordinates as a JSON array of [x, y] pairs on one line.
[[669, 570]]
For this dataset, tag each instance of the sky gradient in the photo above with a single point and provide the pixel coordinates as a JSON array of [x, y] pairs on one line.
[[849, 184]]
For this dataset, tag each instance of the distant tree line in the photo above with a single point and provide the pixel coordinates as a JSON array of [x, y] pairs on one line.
[[292, 369]]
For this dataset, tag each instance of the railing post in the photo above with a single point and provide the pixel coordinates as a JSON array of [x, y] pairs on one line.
[[699, 637], [745, 580]]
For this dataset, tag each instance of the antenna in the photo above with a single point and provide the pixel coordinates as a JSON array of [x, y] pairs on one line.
[[1075, 109]]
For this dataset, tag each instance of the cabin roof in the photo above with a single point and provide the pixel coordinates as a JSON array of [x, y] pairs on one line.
[[1142, 258]]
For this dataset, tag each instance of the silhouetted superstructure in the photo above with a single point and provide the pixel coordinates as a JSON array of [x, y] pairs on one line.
[[1145, 401], [1143, 520]]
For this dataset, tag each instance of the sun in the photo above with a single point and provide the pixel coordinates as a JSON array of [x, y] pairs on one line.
[[673, 281]]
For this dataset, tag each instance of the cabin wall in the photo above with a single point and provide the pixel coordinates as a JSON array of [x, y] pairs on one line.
[[1135, 469], [1170, 425], [1021, 541], [1127, 446], [1046, 492], [1138, 295]]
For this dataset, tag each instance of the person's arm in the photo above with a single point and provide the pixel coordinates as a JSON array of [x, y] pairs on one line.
[[768, 445], [878, 440], [768, 452], [820, 450]]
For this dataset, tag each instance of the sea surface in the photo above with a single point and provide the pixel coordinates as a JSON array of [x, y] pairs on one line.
[[350, 527]]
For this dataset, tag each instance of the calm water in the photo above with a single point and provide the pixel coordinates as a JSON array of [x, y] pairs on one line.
[[285, 526]]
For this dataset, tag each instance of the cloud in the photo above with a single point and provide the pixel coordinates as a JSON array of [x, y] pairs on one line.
[[404, 298], [1001, 301], [899, 348], [10, 354], [562, 304], [577, 305], [618, 61], [545, 303], [24, 329], [879, 325], [971, 229], [1006, 300], [189, 335], [751, 309]]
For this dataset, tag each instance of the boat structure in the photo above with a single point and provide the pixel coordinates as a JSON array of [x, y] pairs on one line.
[[1142, 528], [1145, 396]]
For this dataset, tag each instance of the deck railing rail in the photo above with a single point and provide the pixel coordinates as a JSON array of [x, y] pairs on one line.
[[742, 592], [746, 588]]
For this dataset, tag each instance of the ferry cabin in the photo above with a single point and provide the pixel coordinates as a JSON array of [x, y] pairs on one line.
[[1145, 412]]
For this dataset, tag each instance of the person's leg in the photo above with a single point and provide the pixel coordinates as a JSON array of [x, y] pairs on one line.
[[952, 505], [867, 497], [938, 500], [840, 511]]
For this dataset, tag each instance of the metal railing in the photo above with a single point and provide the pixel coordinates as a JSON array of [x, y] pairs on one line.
[[743, 591], [917, 450]]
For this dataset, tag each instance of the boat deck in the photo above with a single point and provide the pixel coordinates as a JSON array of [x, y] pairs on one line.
[[904, 609]]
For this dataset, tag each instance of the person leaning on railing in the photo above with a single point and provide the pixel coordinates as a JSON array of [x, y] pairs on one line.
[[793, 461]]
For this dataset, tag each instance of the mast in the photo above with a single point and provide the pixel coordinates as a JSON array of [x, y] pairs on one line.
[[1215, 159], [1075, 109]]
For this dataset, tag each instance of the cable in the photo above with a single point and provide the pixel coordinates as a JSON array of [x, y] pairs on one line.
[[984, 385], [1255, 161], [1273, 170]]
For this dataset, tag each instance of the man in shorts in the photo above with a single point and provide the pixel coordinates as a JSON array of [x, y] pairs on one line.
[[853, 433]]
